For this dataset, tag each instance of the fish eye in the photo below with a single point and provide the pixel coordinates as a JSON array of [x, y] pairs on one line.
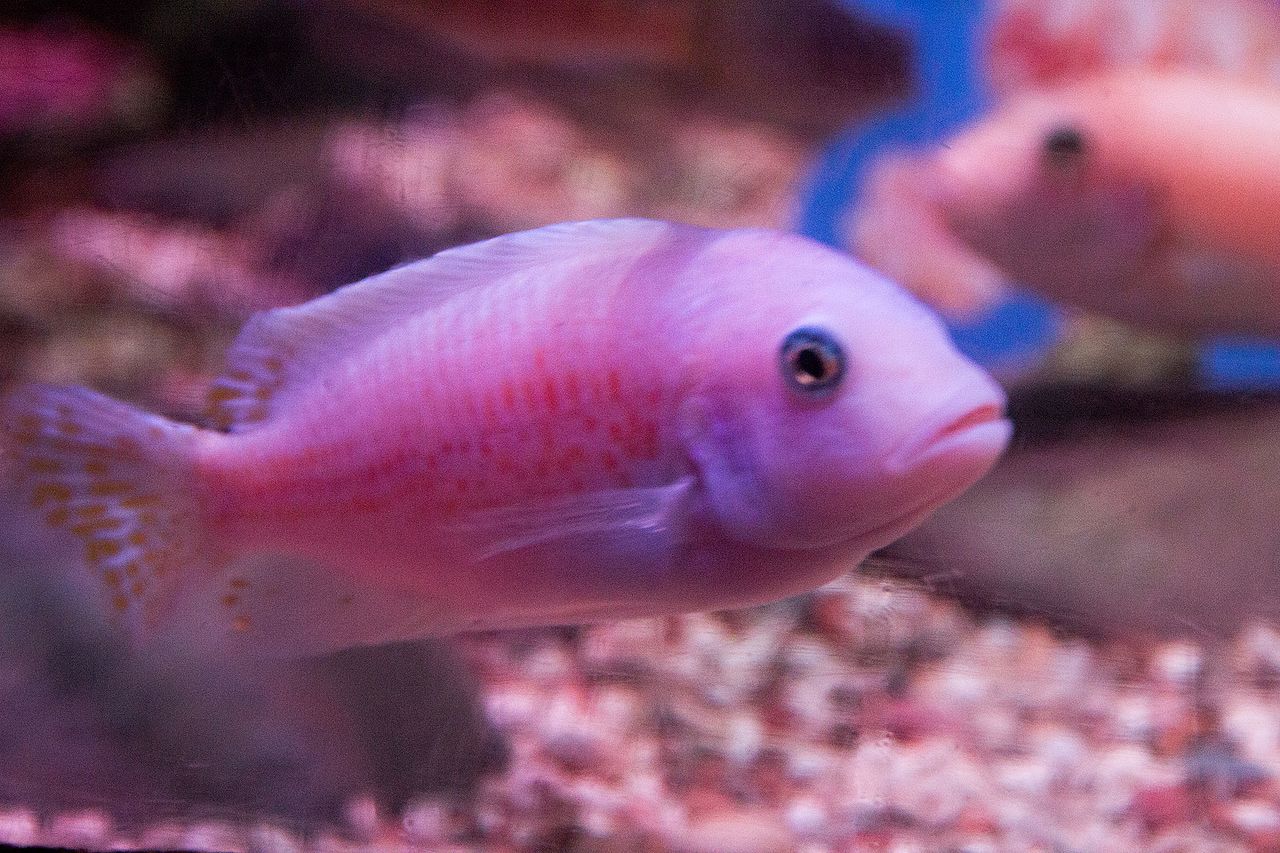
[[1064, 145], [812, 361]]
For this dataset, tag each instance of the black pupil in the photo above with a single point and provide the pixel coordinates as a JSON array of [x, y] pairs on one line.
[[1063, 144], [810, 365], [811, 361]]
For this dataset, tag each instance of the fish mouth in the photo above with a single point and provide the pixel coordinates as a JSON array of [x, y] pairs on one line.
[[983, 429], [985, 435], [965, 443]]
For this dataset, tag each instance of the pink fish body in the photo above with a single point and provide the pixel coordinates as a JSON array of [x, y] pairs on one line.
[[1146, 195], [585, 421]]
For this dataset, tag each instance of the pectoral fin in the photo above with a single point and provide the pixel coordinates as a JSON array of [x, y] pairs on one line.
[[559, 521]]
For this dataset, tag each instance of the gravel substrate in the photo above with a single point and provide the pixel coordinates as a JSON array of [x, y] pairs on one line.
[[863, 716]]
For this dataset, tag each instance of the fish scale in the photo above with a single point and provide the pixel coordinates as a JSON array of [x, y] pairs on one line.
[[559, 401]]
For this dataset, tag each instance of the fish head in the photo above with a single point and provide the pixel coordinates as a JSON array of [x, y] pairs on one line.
[[1045, 182], [1040, 193], [825, 405]]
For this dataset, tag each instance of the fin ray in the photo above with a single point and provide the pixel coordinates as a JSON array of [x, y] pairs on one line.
[[608, 512]]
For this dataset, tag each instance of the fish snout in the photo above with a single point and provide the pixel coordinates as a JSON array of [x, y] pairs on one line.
[[972, 432]]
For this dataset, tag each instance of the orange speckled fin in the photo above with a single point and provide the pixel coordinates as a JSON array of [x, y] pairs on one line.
[[288, 347], [599, 514], [117, 479]]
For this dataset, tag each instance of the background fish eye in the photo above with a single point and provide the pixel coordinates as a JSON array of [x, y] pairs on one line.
[[812, 361], [1064, 145]]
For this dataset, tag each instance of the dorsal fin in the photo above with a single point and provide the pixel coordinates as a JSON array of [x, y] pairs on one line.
[[278, 349]]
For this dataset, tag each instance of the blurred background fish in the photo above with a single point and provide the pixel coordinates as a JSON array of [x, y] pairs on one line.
[[1011, 51], [1136, 194]]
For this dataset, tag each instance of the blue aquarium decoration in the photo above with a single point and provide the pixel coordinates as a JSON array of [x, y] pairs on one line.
[[949, 91], [1240, 364]]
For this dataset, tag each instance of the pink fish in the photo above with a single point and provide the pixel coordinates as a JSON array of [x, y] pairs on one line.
[[1150, 196], [586, 421]]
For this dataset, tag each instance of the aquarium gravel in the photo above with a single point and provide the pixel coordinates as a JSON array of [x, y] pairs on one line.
[[866, 715]]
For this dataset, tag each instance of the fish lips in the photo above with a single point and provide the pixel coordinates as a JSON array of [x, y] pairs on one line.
[[974, 434], [956, 448]]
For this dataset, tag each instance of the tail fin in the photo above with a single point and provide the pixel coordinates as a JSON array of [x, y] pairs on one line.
[[115, 477]]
